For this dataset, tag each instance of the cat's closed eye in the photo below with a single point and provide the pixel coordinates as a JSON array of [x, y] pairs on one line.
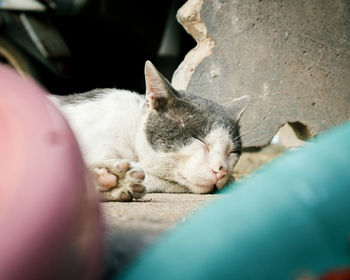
[[232, 152]]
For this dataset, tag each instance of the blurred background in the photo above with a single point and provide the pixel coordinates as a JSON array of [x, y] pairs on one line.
[[74, 46]]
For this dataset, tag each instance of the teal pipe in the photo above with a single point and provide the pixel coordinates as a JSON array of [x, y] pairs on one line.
[[290, 219]]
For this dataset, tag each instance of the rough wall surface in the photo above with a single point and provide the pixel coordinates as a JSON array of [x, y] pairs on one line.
[[291, 57]]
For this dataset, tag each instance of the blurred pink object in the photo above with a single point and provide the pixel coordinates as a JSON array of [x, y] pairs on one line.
[[50, 225]]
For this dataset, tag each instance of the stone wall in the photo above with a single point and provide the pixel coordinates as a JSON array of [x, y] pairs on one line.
[[291, 57]]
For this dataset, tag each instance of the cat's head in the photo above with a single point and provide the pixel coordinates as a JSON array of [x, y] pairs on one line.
[[196, 139]]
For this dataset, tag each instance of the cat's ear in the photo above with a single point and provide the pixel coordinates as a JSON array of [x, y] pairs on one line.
[[237, 106], [159, 92]]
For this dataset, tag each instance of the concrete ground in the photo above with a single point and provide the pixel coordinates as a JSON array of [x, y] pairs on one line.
[[133, 226]]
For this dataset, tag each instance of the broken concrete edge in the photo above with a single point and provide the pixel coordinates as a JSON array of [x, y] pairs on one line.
[[189, 17], [289, 134], [288, 137]]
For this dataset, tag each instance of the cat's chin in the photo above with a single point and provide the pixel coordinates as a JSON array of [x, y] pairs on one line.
[[195, 187], [202, 189], [208, 188]]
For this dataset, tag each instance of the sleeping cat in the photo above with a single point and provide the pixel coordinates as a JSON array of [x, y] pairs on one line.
[[165, 141]]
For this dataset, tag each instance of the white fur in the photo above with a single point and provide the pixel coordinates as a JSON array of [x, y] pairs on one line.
[[112, 127], [106, 127]]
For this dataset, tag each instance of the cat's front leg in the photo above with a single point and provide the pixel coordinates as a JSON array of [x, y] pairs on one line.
[[119, 180]]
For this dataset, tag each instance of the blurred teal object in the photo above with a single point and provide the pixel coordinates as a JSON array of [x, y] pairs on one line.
[[288, 220]]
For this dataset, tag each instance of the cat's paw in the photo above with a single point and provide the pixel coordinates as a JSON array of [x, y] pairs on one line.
[[120, 180]]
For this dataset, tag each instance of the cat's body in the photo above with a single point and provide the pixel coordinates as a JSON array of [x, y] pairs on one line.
[[166, 141]]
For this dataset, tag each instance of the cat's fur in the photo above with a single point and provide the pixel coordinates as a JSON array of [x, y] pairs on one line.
[[166, 141]]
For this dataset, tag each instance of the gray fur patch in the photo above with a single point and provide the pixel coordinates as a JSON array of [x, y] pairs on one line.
[[188, 118]]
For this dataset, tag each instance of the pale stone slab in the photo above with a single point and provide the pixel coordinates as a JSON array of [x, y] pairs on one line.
[[291, 57]]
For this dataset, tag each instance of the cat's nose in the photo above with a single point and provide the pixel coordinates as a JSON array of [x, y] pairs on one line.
[[220, 173]]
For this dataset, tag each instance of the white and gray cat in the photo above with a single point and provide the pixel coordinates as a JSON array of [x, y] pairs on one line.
[[165, 141]]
